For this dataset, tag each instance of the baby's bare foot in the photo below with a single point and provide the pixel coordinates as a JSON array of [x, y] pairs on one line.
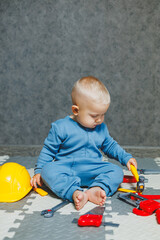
[[80, 199], [96, 195]]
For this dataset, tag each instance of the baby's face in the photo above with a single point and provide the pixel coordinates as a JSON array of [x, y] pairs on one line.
[[92, 114]]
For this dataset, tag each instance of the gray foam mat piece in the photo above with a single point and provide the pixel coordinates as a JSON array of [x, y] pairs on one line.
[[58, 227]]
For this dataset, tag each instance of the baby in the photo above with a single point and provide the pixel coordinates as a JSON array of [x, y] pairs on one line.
[[71, 157]]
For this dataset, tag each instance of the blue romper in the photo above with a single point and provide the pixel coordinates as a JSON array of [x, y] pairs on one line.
[[71, 158]]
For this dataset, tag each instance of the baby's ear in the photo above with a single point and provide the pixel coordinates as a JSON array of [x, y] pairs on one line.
[[75, 109]]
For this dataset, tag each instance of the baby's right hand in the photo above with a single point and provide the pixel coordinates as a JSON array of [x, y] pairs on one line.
[[36, 179]]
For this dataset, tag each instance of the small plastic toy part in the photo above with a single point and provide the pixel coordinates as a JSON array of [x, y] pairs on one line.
[[90, 220], [140, 184], [140, 212], [153, 197], [129, 179], [158, 215], [134, 172], [126, 190], [40, 191], [149, 206], [148, 171], [144, 213], [47, 213]]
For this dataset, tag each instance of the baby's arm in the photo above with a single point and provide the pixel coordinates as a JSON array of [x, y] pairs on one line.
[[113, 150], [49, 150]]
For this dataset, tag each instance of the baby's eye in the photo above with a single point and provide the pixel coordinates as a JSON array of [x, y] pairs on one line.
[[94, 116]]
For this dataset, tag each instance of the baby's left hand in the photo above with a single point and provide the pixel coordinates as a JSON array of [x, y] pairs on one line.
[[133, 162]]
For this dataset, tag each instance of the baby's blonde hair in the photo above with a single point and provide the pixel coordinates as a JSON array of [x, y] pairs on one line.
[[92, 88]]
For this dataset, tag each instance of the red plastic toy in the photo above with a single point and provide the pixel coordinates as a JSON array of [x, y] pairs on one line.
[[144, 206], [90, 220], [158, 215], [129, 179]]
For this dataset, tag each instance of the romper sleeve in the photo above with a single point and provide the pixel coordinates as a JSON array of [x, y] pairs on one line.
[[113, 150], [50, 148]]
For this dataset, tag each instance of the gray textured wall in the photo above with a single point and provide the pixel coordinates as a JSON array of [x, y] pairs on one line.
[[45, 46]]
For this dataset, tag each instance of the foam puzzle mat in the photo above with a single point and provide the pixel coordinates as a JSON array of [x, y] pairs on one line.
[[23, 220]]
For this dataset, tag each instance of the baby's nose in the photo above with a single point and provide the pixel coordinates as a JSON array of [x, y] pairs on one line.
[[98, 120]]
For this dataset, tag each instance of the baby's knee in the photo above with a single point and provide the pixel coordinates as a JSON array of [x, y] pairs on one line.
[[118, 172], [47, 172]]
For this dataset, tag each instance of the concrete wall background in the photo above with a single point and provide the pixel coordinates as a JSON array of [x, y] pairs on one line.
[[45, 46]]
